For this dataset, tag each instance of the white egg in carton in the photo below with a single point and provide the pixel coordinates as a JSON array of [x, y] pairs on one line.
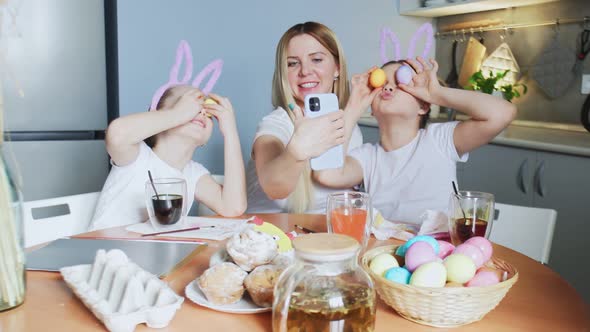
[[120, 293]]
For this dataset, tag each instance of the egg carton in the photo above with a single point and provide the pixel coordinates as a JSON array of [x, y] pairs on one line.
[[120, 293]]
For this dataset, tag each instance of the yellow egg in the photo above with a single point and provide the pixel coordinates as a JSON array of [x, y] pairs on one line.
[[460, 268], [377, 78], [382, 263], [431, 274], [210, 101]]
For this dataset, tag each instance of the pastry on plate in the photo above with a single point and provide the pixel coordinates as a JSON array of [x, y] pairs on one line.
[[260, 283], [223, 283], [251, 248]]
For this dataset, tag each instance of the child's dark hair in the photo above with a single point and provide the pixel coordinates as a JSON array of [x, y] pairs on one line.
[[151, 141], [423, 117]]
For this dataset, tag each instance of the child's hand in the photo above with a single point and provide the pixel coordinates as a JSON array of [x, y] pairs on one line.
[[314, 136], [362, 94], [425, 83], [189, 105], [223, 112]]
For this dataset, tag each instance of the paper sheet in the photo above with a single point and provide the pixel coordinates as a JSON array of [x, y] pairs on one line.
[[224, 228]]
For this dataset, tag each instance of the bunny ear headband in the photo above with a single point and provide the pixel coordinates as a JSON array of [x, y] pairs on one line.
[[184, 54], [387, 34]]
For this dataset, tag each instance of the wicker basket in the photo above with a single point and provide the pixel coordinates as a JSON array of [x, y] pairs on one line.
[[440, 307]]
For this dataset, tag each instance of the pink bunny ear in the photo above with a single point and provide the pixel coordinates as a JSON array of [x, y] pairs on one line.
[[386, 33], [183, 52], [425, 28], [215, 69]]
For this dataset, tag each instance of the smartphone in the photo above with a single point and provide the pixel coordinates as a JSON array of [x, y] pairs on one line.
[[317, 105]]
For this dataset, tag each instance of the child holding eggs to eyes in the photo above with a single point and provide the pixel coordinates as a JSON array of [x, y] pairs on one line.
[[163, 141], [411, 169]]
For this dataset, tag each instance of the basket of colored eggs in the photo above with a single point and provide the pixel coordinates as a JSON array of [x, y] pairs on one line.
[[434, 283]]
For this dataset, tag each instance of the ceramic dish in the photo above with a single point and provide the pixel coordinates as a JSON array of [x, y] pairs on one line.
[[243, 306]]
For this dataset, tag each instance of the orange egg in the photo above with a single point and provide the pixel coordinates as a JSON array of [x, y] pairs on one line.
[[377, 78]]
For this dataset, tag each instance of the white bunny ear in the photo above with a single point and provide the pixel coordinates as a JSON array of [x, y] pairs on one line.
[[426, 29], [386, 34], [215, 69]]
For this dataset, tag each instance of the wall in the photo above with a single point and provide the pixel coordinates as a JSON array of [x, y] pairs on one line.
[[526, 45], [244, 35]]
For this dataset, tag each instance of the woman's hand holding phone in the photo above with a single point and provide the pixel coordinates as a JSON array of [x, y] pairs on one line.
[[314, 136]]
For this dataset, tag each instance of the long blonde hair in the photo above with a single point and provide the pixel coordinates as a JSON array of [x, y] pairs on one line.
[[282, 95]]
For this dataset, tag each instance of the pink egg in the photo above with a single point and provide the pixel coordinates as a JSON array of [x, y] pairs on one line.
[[419, 253], [472, 252], [403, 74], [483, 278], [446, 248], [483, 244]]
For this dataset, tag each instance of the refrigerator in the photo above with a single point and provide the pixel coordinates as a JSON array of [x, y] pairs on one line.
[[57, 86]]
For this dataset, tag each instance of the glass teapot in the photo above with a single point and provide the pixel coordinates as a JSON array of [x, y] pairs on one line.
[[325, 290]]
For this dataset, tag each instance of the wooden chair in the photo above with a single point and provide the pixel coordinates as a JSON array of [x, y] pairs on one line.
[[49, 219], [527, 230]]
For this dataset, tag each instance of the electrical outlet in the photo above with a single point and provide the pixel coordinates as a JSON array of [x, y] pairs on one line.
[[585, 84]]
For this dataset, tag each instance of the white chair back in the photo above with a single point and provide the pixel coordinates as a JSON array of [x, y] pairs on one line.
[[202, 209], [527, 230], [53, 218]]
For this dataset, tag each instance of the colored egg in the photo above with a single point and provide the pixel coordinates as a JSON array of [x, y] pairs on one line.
[[484, 278], [382, 263], [446, 248], [483, 244], [210, 101], [401, 250], [453, 284], [460, 268], [377, 78], [398, 274], [431, 274], [472, 252], [419, 253], [403, 75]]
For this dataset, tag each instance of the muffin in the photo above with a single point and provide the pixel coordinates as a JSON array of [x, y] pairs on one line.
[[223, 283], [251, 248], [260, 284]]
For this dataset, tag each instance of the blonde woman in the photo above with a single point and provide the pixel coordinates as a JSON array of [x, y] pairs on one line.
[[309, 59]]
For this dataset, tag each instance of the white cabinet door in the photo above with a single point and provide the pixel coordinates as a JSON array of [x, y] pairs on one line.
[[505, 172], [562, 182]]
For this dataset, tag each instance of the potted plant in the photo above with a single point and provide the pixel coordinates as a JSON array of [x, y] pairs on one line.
[[479, 82]]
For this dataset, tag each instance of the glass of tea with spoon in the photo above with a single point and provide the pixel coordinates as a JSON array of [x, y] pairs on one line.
[[471, 214], [166, 202]]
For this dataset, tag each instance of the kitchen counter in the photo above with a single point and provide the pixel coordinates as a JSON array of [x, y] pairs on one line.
[[525, 134]]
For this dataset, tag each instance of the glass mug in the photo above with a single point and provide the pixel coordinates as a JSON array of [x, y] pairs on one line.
[[168, 206], [471, 214], [350, 213]]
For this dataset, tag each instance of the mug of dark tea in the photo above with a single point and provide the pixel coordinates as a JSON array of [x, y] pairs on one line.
[[166, 201], [471, 213]]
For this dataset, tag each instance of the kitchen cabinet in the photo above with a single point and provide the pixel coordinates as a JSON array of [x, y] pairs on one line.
[[546, 180], [414, 8]]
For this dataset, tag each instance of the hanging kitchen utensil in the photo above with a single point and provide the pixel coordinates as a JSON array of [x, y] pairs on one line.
[[584, 50], [501, 60], [452, 78], [553, 69], [586, 114], [474, 54]]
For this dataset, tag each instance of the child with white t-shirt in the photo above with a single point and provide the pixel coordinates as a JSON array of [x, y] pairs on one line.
[[411, 169], [163, 141]]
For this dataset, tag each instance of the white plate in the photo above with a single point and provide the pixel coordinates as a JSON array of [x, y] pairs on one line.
[[243, 306]]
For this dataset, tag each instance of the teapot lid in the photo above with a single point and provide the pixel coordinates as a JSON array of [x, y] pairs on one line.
[[325, 246]]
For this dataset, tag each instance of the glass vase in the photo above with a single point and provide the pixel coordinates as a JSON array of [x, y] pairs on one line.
[[12, 255]]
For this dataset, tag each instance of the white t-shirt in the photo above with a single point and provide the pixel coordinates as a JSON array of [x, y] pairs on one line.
[[122, 200], [406, 182], [279, 125]]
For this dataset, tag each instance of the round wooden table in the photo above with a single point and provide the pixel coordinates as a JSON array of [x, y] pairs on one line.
[[540, 301]]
